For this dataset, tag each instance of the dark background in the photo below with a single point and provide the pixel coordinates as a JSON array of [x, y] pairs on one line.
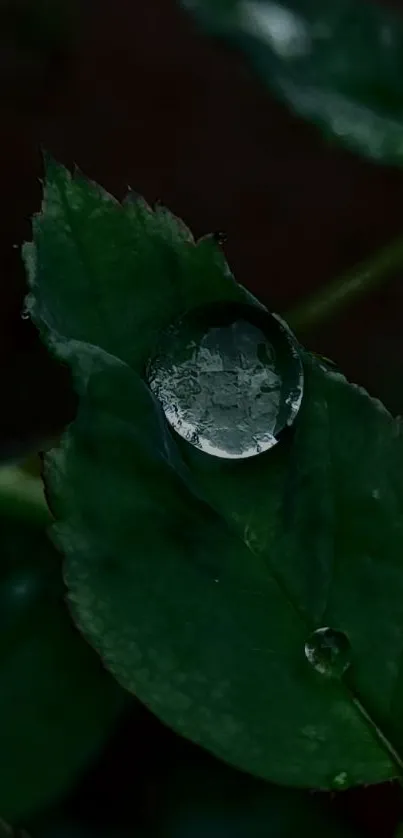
[[134, 94]]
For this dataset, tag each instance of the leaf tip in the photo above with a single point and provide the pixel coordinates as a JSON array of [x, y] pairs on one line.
[[51, 166], [133, 198]]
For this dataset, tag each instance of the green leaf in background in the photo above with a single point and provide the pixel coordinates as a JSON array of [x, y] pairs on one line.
[[338, 63], [7, 831], [203, 798], [192, 795], [200, 581], [57, 703]]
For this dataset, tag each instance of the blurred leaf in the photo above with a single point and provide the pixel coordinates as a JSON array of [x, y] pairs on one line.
[[204, 798], [22, 497], [7, 831], [32, 465], [57, 704], [200, 580], [196, 796], [338, 63]]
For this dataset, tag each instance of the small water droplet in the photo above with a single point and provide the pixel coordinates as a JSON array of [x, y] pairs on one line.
[[340, 781], [24, 315], [328, 651], [229, 378]]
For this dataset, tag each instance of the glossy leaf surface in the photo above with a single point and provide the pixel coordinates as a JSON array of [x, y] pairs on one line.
[[337, 63], [200, 585], [199, 581], [93, 259]]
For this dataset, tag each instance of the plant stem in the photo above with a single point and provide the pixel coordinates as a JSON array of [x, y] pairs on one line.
[[328, 301], [22, 496]]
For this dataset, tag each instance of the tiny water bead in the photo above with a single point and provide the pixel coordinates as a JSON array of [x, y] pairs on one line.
[[340, 781], [229, 378], [329, 652]]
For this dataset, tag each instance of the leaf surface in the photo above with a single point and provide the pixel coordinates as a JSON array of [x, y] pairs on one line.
[[200, 580], [113, 275], [199, 588]]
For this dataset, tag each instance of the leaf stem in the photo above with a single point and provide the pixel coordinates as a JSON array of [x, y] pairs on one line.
[[22, 496], [340, 292], [384, 741]]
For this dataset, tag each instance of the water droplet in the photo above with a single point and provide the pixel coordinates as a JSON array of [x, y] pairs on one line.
[[25, 315], [328, 651], [229, 378], [340, 781]]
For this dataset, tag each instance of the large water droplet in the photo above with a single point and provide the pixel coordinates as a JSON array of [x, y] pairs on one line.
[[328, 651], [229, 378]]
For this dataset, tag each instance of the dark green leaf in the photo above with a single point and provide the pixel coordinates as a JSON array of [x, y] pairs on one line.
[[200, 580], [200, 586], [57, 704], [338, 63], [93, 260]]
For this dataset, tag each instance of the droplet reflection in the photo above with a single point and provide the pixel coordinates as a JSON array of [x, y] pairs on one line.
[[229, 378], [340, 780], [329, 652]]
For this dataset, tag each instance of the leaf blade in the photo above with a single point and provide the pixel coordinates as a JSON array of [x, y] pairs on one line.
[[71, 277], [267, 529], [195, 646]]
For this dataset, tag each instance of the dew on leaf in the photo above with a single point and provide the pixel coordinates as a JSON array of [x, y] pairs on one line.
[[229, 378], [328, 651], [340, 781]]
